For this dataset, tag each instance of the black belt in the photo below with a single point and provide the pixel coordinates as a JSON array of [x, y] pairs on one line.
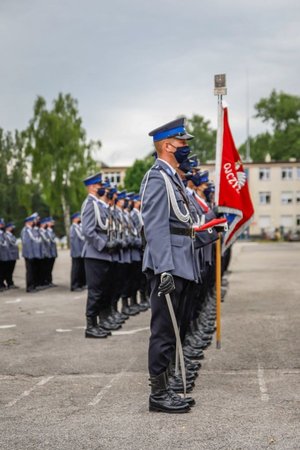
[[183, 231]]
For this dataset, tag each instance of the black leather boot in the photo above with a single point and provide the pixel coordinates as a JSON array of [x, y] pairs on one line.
[[189, 400], [92, 330], [133, 306], [106, 321], [161, 400], [125, 308], [144, 299], [122, 315]]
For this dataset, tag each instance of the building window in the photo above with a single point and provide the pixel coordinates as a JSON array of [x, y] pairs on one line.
[[264, 222], [264, 198], [298, 197], [264, 173], [287, 173], [286, 198], [298, 173], [298, 221], [286, 221]]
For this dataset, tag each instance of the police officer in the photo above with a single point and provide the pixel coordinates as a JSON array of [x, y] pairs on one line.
[[53, 251], [13, 254], [139, 279], [170, 251], [78, 280], [97, 258], [31, 252], [46, 253], [3, 254]]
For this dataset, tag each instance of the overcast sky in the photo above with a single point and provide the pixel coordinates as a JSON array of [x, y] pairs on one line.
[[136, 64]]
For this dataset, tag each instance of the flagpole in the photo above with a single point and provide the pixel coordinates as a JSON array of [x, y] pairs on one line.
[[220, 90]]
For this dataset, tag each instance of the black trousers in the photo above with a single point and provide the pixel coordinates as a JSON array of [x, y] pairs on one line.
[[162, 343], [77, 273], [2, 274], [97, 278], [8, 272], [32, 273], [49, 265]]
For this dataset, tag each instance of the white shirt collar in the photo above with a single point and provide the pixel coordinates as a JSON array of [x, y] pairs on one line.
[[172, 168]]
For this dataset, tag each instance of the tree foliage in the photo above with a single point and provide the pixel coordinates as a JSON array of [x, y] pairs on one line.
[[204, 142], [60, 155], [282, 112], [136, 172]]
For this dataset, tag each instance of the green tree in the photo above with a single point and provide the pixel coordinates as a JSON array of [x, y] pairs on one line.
[[281, 112], [135, 173], [60, 154], [204, 142]]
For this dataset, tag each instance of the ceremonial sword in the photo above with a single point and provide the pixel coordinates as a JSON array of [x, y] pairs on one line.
[[176, 331]]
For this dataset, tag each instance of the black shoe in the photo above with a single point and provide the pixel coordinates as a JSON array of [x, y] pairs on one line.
[[51, 285], [125, 307], [176, 384], [12, 286], [106, 324], [78, 289], [162, 400], [92, 330], [189, 400], [32, 290], [190, 353]]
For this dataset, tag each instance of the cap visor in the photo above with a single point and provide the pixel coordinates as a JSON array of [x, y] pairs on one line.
[[184, 137]]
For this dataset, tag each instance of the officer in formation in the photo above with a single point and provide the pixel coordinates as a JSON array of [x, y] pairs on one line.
[[78, 280], [9, 253], [177, 262], [39, 251], [112, 253]]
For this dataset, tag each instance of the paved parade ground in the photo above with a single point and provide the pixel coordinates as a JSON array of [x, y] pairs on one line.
[[61, 391]]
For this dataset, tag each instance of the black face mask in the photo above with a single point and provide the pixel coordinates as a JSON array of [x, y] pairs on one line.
[[101, 192], [110, 195], [182, 153]]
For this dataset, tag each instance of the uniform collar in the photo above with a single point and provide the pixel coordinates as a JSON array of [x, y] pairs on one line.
[[167, 164], [102, 203]]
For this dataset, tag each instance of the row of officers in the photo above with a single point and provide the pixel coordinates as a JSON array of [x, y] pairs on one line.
[[122, 225], [38, 249]]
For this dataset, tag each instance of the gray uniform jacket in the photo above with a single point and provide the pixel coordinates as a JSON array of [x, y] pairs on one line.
[[76, 240], [205, 238], [31, 243], [13, 249], [125, 256], [92, 229], [165, 252], [135, 253], [46, 243], [53, 248], [4, 252]]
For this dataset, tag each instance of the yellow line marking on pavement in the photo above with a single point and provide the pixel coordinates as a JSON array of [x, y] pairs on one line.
[[262, 384], [27, 393], [3, 327], [62, 330]]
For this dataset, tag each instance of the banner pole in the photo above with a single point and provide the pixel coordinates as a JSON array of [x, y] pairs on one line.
[[218, 291], [220, 90]]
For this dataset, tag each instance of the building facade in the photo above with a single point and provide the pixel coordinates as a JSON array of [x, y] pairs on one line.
[[275, 192]]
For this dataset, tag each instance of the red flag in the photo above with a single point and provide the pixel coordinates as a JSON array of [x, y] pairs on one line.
[[232, 187]]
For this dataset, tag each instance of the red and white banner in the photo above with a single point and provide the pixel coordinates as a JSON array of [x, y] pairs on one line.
[[232, 192]]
